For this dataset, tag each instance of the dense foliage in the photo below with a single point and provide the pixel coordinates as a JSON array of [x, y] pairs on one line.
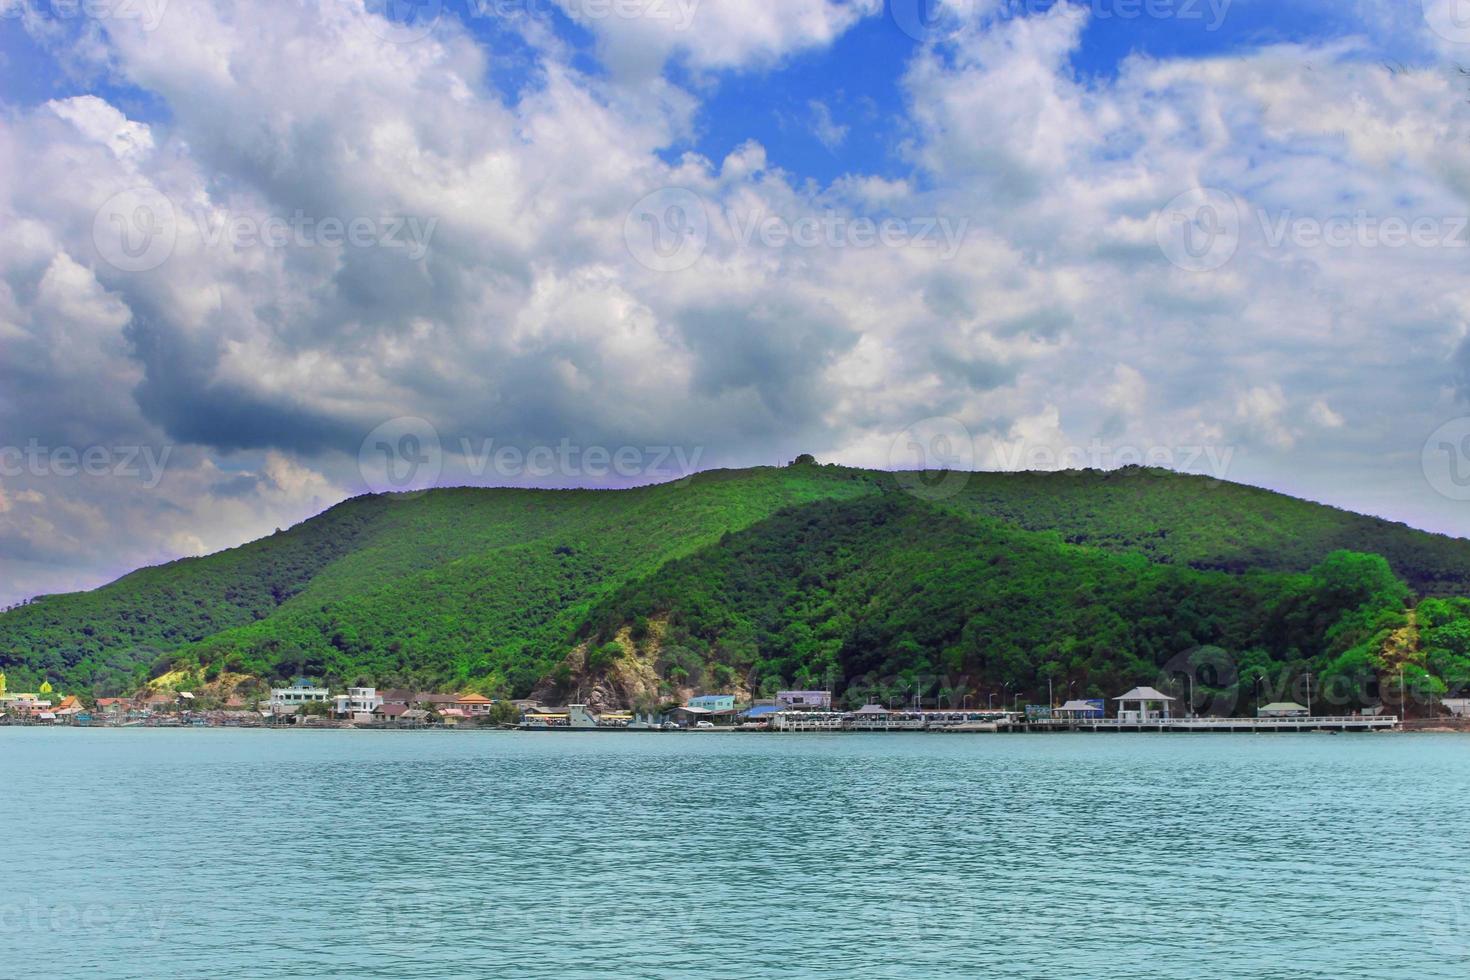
[[884, 597], [787, 575]]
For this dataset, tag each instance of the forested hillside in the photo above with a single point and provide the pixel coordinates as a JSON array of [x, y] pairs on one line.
[[766, 576]]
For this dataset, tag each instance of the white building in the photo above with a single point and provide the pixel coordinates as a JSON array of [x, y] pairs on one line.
[[804, 700], [1458, 707], [288, 700], [357, 701], [1142, 701]]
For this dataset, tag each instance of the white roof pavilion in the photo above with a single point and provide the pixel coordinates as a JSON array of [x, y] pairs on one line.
[[1143, 694]]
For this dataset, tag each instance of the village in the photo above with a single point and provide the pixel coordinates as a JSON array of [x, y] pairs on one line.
[[305, 705]]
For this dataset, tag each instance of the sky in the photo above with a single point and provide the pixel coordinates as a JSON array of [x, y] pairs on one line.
[[260, 257]]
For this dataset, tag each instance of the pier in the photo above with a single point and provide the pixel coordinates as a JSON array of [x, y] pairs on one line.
[[1324, 723]]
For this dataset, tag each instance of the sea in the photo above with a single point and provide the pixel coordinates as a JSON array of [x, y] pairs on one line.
[[254, 853]]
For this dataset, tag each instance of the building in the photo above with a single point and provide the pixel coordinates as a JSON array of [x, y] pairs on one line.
[[358, 703], [69, 707], [804, 700], [1088, 709], [1458, 707], [114, 708], [713, 702], [1282, 709], [1146, 703], [389, 713], [473, 704], [288, 700]]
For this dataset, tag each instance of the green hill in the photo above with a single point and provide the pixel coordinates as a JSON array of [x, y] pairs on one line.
[[1098, 576]]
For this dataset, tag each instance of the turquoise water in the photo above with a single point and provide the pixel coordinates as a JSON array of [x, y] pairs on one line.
[[254, 853]]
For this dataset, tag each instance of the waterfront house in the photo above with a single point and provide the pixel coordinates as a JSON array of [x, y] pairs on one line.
[[358, 703], [69, 708], [288, 700], [158, 702], [413, 718], [713, 702], [389, 713], [1282, 709], [804, 700], [473, 704], [114, 708], [1457, 707], [1143, 701], [398, 696], [1079, 710]]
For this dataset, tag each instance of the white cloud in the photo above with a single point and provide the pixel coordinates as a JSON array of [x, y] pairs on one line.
[[1058, 323]]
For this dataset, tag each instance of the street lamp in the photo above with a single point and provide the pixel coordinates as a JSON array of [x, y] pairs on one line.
[[965, 702], [991, 702]]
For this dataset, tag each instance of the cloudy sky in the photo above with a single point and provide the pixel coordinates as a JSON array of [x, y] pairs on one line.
[[256, 257]]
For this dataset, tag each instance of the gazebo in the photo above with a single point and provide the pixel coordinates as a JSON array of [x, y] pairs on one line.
[[1141, 698]]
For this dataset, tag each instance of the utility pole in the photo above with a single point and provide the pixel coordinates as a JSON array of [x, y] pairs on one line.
[[1309, 694]]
